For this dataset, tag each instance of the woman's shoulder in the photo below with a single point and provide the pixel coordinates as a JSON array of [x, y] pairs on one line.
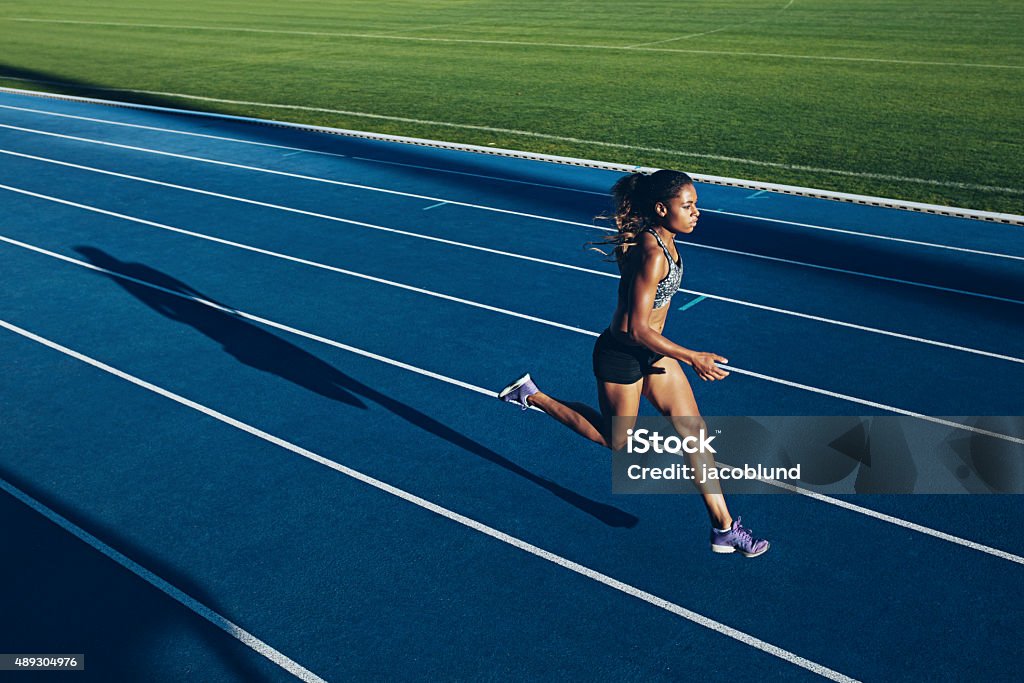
[[649, 244], [639, 245], [645, 250]]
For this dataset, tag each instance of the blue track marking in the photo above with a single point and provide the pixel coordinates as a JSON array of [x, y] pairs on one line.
[[307, 559], [691, 303]]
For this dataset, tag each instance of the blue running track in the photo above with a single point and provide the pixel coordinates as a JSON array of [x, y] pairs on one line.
[[249, 433]]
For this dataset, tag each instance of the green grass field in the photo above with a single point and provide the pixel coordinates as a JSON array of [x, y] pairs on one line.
[[898, 98]]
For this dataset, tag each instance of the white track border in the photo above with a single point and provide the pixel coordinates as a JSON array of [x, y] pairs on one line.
[[866, 200]]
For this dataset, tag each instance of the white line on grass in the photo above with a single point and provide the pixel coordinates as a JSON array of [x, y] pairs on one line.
[[465, 245], [523, 214], [491, 394], [221, 622], [686, 37], [547, 136], [373, 36], [468, 522], [717, 30], [424, 28], [589, 333]]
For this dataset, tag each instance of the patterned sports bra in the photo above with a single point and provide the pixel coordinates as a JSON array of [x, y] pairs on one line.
[[669, 285]]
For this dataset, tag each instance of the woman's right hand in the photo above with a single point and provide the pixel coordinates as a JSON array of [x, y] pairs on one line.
[[704, 365]]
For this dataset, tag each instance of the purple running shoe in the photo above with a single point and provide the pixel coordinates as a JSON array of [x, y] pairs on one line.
[[518, 391], [738, 539]]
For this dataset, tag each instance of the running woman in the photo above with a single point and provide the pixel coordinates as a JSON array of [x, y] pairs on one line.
[[632, 359]]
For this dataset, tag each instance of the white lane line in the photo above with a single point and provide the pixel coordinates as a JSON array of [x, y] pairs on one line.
[[434, 206], [495, 210], [857, 273], [556, 264], [942, 535], [865, 234], [560, 138], [468, 522], [520, 182], [158, 129], [263, 321], [373, 36], [302, 261], [854, 326], [874, 404], [589, 333], [164, 586], [434, 169], [465, 245]]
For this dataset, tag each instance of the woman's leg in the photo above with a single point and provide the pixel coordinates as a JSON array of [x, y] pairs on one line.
[[614, 399], [670, 393]]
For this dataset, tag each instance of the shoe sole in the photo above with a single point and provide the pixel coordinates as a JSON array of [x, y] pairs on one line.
[[515, 385], [726, 549]]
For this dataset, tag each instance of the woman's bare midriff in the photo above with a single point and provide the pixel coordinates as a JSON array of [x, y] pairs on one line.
[[620, 323]]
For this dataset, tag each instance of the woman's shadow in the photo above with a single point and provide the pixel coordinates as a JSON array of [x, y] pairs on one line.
[[257, 348]]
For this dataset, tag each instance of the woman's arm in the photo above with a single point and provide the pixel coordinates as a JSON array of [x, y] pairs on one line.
[[651, 268]]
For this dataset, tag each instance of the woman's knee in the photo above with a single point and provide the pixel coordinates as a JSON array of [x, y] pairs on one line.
[[616, 442], [688, 425]]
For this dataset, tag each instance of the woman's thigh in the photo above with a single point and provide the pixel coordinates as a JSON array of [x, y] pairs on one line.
[[619, 401], [669, 391], [671, 394]]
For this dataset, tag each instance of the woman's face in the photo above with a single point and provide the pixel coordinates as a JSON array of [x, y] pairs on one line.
[[680, 213]]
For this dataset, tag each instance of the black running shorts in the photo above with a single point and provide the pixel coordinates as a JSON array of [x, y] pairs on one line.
[[621, 363]]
